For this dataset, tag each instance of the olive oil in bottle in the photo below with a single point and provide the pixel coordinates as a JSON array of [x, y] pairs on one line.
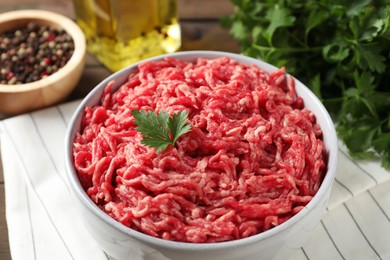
[[121, 32]]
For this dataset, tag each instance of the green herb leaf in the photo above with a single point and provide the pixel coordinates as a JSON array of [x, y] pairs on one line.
[[238, 30], [316, 17], [358, 135], [368, 55], [336, 52], [160, 130], [356, 7], [316, 85], [177, 125], [279, 17], [382, 142]]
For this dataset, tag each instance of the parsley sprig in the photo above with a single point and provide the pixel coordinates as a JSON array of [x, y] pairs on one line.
[[340, 49], [160, 130]]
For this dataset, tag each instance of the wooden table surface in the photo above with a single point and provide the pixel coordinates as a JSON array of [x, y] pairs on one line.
[[199, 20]]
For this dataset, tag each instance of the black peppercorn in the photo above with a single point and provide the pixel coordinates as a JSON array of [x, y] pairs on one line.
[[33, 52]]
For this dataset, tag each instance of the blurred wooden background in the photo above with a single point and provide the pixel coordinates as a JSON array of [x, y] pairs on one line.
[[201, 30]]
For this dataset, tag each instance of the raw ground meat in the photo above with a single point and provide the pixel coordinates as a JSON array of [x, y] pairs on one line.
[[254, 156]]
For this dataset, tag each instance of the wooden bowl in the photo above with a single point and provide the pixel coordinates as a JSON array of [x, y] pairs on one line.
[[20, 98]]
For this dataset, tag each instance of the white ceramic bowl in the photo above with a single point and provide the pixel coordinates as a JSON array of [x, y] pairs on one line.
[[122, 242]]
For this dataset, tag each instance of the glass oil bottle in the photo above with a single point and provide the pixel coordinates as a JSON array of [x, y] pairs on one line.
[[121, 32]]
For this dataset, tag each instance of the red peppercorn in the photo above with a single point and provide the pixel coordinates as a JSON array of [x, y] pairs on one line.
[[46, 60], [9, 75], [50, 37]]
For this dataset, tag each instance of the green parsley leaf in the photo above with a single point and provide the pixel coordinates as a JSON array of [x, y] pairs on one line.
[[317, 17], [369, 56], [359, 134], [316, 85], [238, 30], [177, 125], [279, 17], [336, 52], [160, 130]]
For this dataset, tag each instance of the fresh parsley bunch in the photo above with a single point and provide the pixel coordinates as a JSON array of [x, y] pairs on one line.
[[340, 49]]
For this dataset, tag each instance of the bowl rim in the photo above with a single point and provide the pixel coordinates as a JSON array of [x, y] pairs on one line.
[[186, 246], [59, 21]]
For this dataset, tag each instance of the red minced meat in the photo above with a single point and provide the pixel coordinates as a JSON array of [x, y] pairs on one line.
[[254, 156]]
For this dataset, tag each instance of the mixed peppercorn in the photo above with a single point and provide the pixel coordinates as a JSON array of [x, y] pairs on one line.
[[32, 52]]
